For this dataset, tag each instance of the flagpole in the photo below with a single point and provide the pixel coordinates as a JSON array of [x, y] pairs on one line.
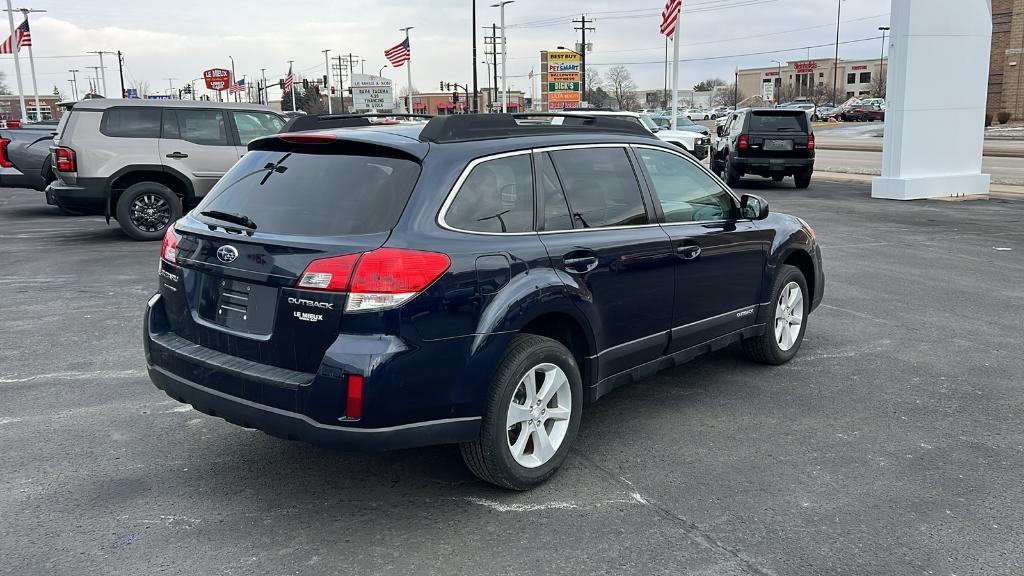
[[17, 64], [290, 73], [408, 69], [675, 70], [32, 67]]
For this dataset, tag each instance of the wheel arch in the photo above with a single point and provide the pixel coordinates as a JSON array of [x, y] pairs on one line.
[[569, 331], [801, 259], [169, 177]]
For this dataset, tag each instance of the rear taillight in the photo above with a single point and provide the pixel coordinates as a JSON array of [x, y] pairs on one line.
[[383, 278], [354, 398], [66, 161], [810, 142], [4, 162], [169, 250], [744, 142]]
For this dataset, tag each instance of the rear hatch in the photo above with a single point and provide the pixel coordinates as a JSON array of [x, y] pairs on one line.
[[240, 254], [778, 134]]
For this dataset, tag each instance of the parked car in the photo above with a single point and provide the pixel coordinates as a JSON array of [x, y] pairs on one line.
[[25, 155], [770, 142], [823, 113], [394, 286], [692, 141], [697, 114], [144, 162], [682, 123], [863, 113]]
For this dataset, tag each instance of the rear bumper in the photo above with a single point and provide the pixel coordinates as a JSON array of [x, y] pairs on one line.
[[306, 406], [293, 426], [771, 166], [86, 195]]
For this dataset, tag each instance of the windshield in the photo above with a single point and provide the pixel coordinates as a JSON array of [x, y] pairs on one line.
[[314, 194], [649, 122]]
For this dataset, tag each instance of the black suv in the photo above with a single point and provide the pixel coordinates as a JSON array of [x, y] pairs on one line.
[[475, 279], [769, 142]]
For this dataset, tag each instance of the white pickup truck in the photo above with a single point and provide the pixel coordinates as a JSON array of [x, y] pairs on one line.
[[693, 142]]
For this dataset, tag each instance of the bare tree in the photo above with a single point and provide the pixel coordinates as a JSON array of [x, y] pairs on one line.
[[622, 88], [819, 95], [3, 84], [878, 86], [727, 96], [142, 87], [594, 83]]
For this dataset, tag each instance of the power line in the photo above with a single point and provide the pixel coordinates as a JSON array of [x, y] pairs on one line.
[[712, 6], [662, 61]]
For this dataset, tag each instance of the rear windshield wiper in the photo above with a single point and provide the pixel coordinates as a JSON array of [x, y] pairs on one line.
[[238, 219]]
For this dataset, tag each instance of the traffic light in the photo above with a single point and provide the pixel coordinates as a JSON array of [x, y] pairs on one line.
[[280, 84], [455, 97], [305, 84], [441, 86], [332, 90]]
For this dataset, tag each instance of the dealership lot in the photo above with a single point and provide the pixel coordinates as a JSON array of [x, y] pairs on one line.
[[892, 444]]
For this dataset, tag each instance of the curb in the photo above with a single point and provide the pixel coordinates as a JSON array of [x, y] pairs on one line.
[[995, 190]]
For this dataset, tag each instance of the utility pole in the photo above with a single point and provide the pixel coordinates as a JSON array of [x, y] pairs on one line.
[[17, 64], [835, 68], [327, 78], [120, 71], [494, 64], [170, 85], [476, 92], [102, 68], [583, 28], [74, 83], [408, 69], [264, 97], [341, 82], [504, 54], [96, 75], [352, 62]]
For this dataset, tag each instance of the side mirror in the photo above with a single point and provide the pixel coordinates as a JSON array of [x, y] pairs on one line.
[[720, 130], [753, 207]]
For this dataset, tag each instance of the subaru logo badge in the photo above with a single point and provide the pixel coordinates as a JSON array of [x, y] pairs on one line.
[[227, 254]]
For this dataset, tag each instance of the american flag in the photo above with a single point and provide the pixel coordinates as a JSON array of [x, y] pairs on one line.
[[670, 16], [238, 86], [289, 80], [23, 38], [398, 54]]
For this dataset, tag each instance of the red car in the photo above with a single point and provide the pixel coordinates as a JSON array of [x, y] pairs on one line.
[[863, 114]]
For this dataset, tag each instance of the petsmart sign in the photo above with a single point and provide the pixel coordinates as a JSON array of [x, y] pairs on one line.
[[560, 79]]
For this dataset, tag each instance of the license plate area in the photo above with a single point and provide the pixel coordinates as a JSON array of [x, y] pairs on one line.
[[237, 305], [775, 145]]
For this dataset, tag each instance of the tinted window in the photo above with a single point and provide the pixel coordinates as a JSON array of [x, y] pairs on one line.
[[600, 186], [685, 192], [769, 122], [496, 197], [315, 195], [253, 125], [201, 126], [551, 197], [865, 77], [128, 122], [851, 78]]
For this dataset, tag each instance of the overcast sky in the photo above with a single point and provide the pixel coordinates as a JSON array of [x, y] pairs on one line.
[[180, 39]]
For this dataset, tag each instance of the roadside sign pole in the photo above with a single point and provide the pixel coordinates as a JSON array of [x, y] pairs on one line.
[[675, 73], [17, 64]]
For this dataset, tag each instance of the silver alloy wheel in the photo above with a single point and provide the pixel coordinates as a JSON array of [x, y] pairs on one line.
[[789, 316], [150, 212], [538, 415]]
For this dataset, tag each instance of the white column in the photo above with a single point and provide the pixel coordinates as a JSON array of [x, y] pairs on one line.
[[933, 131]]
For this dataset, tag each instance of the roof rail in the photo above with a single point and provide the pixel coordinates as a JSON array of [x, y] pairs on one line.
[[324, 121], [465, 127]]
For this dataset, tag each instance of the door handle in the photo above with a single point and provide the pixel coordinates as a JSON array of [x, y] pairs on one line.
[[688, 251], [177, 155], [579, 262]]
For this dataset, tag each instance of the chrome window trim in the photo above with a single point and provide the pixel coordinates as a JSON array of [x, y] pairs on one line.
[[473, 164]]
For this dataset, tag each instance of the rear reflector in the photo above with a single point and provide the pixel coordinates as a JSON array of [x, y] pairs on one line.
[[306, 138], [382, 278], [169, 250], [354, 398]]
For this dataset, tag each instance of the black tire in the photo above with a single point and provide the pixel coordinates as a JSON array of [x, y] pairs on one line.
[[146, 209], [732, 177], [764, 347], [488, 457], [803, 179], [777, 178]]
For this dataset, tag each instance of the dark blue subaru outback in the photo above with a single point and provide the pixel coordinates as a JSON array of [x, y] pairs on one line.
[[473, 279]]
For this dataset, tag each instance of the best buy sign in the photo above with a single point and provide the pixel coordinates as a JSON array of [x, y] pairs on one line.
[[563, 86]]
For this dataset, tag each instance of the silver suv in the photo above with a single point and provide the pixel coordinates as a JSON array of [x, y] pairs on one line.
[[145, 161]]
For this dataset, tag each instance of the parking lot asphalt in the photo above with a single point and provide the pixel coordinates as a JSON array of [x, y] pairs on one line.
[[893, 444]]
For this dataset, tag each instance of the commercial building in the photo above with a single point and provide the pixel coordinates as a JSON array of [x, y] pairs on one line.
[[1006, 77], [810, 78], [445, 103], [10, 107]]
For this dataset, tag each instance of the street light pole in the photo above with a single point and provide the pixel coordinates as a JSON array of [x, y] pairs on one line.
[[504, 55], [881, 60], [736, 88], [327, 88], [476, 93], [779, 91], [835, 65]]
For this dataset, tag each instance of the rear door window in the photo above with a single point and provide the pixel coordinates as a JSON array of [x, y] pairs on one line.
[[315, 194], [131, 122], [497, 196], [600, 186], [773, 122]]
